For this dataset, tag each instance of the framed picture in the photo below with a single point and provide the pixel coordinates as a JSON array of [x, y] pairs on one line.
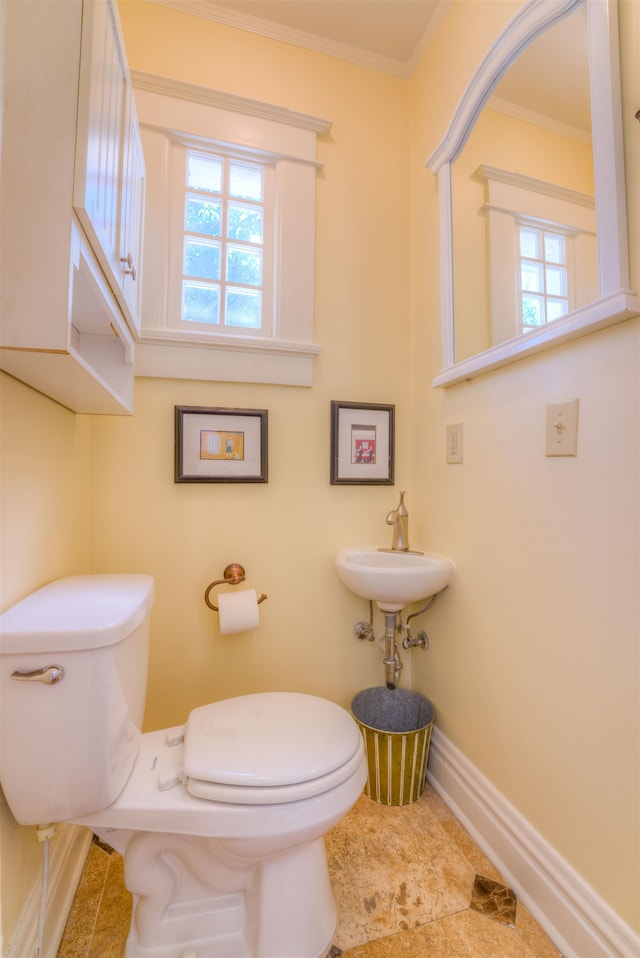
[[361, 443], [220, 445]]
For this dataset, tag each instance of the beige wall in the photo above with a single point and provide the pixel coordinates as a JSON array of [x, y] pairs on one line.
[[286, 532], [44, 498], [533, 665], [534, 655]]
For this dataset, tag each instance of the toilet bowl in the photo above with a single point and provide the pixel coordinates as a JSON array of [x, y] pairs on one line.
[[220, 821]]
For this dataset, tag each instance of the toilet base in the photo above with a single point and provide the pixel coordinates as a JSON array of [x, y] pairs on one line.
[[220, 880], [203, 898]]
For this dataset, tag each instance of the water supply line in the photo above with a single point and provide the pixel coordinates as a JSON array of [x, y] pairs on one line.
[[364, 630], [43, 834], [393, 624], [422, 639]]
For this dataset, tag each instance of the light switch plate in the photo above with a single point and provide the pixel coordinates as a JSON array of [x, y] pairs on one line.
[[454, 442], [562, 428]]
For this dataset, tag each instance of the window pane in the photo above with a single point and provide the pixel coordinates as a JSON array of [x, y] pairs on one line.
[[202, 216], [530, 243], [556, 281], [204, 173], [244, 266], [200, 304], [532, 311], [244, 223], [531, 276], [556, 308], [554, 248], [201, 259], [243, 308], [245, 181]]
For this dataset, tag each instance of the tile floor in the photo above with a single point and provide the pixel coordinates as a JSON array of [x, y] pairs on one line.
[[408, 882]]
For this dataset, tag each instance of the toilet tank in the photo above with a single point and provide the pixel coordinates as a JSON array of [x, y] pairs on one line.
[[68, 743]]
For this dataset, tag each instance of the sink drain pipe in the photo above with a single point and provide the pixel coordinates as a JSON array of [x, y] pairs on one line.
[[391, 654], [392, 663]]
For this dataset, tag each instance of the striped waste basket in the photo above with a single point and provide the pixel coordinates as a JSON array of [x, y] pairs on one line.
[[396, 727]]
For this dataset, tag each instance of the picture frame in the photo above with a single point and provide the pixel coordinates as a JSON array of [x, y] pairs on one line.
[[220, 445], [362, 443]]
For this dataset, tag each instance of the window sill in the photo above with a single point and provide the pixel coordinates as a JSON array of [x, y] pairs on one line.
[[599, 315], [244, 359]]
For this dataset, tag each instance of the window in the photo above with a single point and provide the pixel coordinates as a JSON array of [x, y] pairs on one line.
[[544, 294], [229, 236], [548, 233], [221, 265]]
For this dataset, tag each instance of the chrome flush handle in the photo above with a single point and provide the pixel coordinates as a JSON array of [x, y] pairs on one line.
[[49, 675]]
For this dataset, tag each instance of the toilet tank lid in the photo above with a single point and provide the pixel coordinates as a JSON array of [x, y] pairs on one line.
[[77, 612]]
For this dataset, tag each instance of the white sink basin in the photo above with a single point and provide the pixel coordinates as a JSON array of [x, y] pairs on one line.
[[393, 579]]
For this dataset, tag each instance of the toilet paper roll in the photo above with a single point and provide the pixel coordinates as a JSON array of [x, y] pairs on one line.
[[238, 611]]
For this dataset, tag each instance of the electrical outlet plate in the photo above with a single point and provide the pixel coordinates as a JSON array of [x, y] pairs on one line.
[[454, 442], [562, 428]]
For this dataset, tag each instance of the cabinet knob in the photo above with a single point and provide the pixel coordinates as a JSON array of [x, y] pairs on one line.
[[130, 269]]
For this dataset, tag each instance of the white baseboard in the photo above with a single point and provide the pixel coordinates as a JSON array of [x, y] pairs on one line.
[[66, 861], [577, 920]]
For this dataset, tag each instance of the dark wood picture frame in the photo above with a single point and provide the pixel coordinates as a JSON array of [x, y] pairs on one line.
[[214, 444], [362, 443]]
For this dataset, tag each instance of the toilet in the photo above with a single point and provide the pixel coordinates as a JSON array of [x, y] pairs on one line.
[[220, 821]]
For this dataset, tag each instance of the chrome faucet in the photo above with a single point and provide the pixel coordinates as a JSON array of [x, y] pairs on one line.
[[399, 519]]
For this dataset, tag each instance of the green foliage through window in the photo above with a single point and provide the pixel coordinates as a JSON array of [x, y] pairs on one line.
[[544, 293], [223, 243]]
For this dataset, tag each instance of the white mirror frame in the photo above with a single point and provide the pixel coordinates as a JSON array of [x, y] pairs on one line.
[[616, 302]]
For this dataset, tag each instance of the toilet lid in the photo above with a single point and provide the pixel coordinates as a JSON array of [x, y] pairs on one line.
[[267, 740]]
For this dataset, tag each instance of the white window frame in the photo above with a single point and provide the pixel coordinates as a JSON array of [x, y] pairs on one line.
[[180, 149], [553, 229], [512, 199], [171, 113]]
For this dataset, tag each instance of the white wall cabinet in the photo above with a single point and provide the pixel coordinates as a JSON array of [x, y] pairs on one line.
[[72, 196], [132, 221], [109, 177]]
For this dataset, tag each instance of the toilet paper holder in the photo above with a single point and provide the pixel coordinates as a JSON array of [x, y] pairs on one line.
[[233, 575]]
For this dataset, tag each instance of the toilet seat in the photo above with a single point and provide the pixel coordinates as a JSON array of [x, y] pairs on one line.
[[269, 748]]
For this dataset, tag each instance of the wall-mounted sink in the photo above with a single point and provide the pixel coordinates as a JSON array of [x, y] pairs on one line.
[[393, 579]]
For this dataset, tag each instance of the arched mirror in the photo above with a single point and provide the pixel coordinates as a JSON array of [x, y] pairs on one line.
[[531, 186]]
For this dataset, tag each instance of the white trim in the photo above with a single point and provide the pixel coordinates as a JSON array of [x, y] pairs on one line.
[[588, 319], [430, 31], [171, 112], [512, 198], [445, 219], [533, 185], [193, 93], [395, 66], [69, 851], [608, 154], [577, 920], [531, 20], [616, 302], [262, 362], [516, 112]]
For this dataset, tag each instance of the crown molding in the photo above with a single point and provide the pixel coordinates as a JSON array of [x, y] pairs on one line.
[[429, 32], [531, 20], [210, 10], [538, 119]]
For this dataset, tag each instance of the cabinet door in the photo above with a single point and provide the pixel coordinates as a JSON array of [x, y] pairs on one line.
[[132, 214], [101, 118]]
